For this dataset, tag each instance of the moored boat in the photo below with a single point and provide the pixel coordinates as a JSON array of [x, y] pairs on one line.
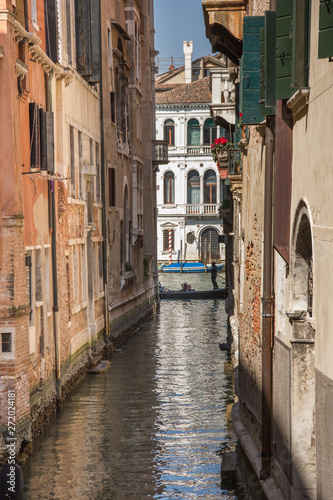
[[218, 293], [189, 267]]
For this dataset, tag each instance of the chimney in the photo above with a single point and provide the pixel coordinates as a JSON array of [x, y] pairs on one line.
[[188, 49], [171, 65]]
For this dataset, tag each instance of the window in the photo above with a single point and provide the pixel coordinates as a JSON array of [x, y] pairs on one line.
[[34, 11], [195, 74], [109, 47], [38, 277], [166, 234], [193, 133], [190, 238], [90, 200], [113, 107], [76, 281], [210, 131], [81, 165], [83, 273], [34, 134], [72, 159], [112, 187], [169, 132], [69, 32], [210, 187], [193, 187], [29, 280], [169, 187], [98, 174], [6, 342], [47, 279]]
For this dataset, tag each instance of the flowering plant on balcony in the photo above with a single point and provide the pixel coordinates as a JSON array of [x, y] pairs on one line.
[[220, 148], [240, 121]]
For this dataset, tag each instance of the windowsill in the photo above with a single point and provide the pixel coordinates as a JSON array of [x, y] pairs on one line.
[[35, 26], [169, 205], [75, 201], [78, 308], [99, 296], [49, 314], [38, 304]]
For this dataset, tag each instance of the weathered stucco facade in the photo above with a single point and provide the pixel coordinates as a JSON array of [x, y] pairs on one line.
[[77, 241], [282, 222]]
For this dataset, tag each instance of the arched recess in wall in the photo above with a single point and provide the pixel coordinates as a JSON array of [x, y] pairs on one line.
[[302, 340]]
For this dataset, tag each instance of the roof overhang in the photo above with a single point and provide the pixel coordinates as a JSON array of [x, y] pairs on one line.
[[224, 26]]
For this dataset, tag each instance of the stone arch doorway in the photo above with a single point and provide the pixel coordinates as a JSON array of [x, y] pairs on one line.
[[209, 245], [302, 340]]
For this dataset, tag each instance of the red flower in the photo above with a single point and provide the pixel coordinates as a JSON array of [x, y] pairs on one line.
[[240, 115]]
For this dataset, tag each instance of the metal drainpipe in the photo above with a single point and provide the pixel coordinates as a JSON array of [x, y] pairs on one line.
[[51, 185], [267, 312], [267, 298], [103, 184], [55, 294]]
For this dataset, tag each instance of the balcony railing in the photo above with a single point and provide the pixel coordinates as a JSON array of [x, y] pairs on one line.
[[160, 152], [201, 209], [198, 150]]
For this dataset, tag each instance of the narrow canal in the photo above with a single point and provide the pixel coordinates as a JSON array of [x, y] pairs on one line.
[[152, 426]]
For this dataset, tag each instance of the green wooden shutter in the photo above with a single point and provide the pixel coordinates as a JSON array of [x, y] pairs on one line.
[[42, 139], [83, 37], [49, 133], [300, 43], [267, 65], [249, 85], [325, 42], [284, 19], [95, 42], [34, 134]]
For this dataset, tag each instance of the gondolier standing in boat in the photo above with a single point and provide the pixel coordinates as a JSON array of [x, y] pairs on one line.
[[213, 275]]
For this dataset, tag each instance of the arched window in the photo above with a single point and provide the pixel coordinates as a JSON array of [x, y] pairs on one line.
[[210, 131], [209, 245], [210, 187], [169, 132], [224, 133], [169, 187], [193, 187], [193, 133]]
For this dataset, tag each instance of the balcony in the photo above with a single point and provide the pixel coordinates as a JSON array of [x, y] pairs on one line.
[[224, 26], [198, 150], [160, 153], [202, 209]]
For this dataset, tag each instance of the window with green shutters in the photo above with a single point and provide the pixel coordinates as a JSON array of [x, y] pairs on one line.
[[250, 65], [325, 42], [284, 19], [292, 46], [267, 65]]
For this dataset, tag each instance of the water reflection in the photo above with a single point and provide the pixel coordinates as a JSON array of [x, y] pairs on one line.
[[149, 427]]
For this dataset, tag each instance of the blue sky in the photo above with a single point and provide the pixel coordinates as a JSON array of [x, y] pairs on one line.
[[177, 21]]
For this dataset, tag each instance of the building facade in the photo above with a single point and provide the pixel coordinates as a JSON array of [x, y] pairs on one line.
[[280, 308], [77, 252], [190, 190]]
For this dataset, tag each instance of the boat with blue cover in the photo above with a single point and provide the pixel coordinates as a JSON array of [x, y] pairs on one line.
[[189, 267]]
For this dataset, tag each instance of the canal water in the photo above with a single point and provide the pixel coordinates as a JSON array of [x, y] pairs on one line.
[[153, 425]]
